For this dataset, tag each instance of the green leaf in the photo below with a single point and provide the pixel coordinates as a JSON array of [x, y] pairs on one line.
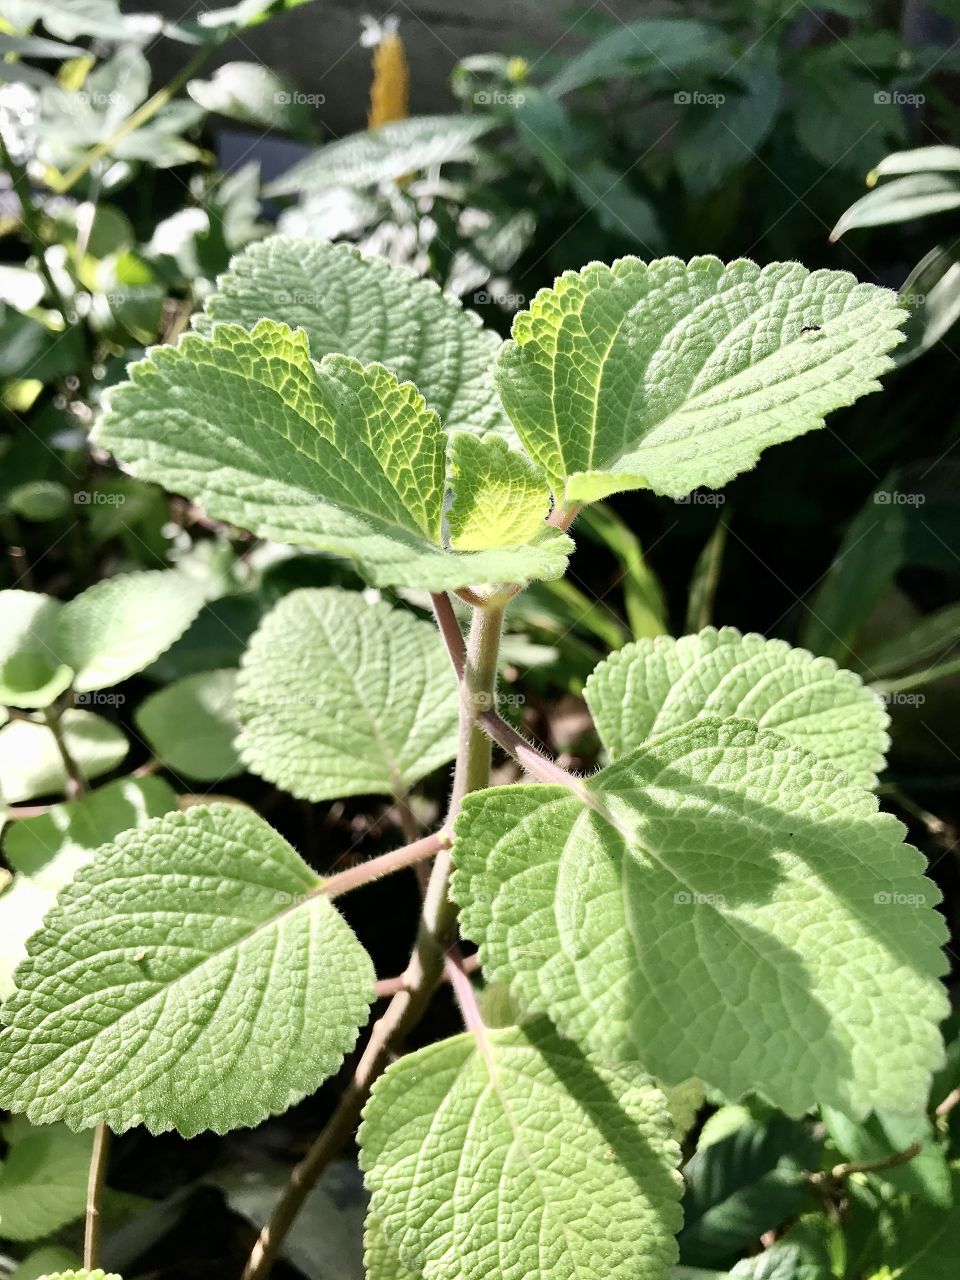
[[507, 1135], [500, 498], [336, 455], [390, 152], [917, 160], [82, 1275], [916, 196], [48, 1260], [341, 697], [30, 764], [43, 1179], [47, 851], [642, 49], [926, 1176], [119, 626], [364, 307], [676, 375], [380, 1260], [654, 685], [747, 1183], [718, 904], [191, 725], [924, 1239], [253, 94], [228, 989], [31, 673]]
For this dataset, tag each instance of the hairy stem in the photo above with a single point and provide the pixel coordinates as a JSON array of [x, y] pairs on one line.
[[407, 855], [844, 1170], [96, 1180], [435, 936], [76, 782]]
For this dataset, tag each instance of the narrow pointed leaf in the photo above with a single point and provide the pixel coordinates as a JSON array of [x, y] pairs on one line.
[[366, 308], [192, 977], [338, 455], [676, 375], [720, 904], [659, 684], [482, 1153], [341, 697]]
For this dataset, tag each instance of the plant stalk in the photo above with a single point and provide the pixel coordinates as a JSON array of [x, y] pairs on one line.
[[435, 936], [364, 872]]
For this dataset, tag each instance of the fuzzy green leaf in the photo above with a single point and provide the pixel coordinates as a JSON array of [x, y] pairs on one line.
[[337, 455], [500, 498], [484, 1152], [380, 1260], [341, 697], [366, 308], [720, 904], [191, 725], [192, 977], [30, 764], [676, 375], [116, 628], [43, 1179], [31, 673], [659, 684]]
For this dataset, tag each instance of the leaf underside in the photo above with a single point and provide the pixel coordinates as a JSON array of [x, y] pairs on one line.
[[366, 308], [657, 684], [338, 697], [338, 456], [191, 977], [673, 375], [483, 1151], [726, 907]]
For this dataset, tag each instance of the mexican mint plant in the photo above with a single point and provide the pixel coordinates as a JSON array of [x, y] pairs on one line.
[[722, 906]]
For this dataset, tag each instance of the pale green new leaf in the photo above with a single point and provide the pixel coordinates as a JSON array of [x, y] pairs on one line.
[[31, 672], [337, 455], [659, 684], [43, 1179], [390, 152], [364, 307], [193, 976], [507, 1153], [500, 497], [340, 697], [717, 904], [673, 375], [191, 725], [119, 626], [31, 765]]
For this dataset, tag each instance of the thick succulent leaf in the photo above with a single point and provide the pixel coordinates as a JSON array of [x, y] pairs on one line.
[[119, 626], [338, 696], [676, 375], [717, 904], [31, 765], [31, 673], [483, 1151], [192, 977], [43, 1179], [364, 307], [500, 498], [392, 151], [191, 725], [336, 455], [48, 850], [659, 684]]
